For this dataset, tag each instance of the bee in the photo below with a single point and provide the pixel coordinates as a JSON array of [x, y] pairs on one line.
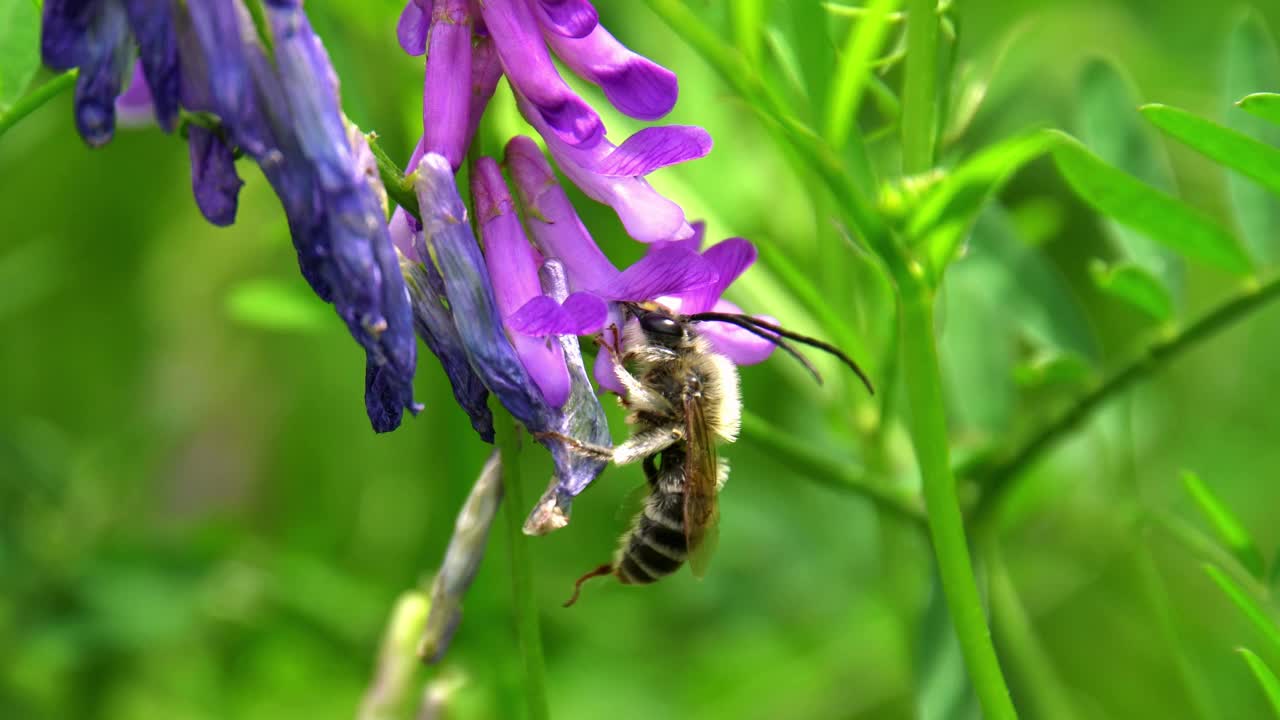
[[683, 398]]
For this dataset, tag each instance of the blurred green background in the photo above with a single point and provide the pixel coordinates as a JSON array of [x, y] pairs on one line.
[[197, 522]]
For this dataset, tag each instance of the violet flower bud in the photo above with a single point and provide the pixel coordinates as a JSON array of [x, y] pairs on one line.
[[213, 176], [462, 560]]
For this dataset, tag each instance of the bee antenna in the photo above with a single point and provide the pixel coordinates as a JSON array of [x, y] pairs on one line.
[[742, 320], [605, 569], [769, 334]]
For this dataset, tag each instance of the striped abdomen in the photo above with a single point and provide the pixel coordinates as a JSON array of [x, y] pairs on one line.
[[655, 546]]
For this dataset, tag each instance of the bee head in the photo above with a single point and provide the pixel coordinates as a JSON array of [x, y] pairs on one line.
[[662, 329]]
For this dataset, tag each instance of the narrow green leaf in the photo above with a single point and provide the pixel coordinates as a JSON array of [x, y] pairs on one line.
[[1238, 151], [19, 49], [1266, 679], [1110, 128], [1257, 615], [1135, 285], [850, 82], [1252, 64], [747, 18], [810, 36], [1229, 529], [1159, 216], [945, 215], [271, 304], [1264, 105]]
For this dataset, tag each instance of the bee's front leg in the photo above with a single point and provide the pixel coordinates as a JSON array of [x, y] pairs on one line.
[[600, 451]]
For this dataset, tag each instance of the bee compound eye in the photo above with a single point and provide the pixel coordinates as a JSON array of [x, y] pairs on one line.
[[659, 324]]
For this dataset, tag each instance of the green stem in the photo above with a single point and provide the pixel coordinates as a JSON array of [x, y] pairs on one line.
[[920, 91], [528, 631], [1017, 633], [999, 479], [33, 100], [800, 454], [922, 379], [399, 187]]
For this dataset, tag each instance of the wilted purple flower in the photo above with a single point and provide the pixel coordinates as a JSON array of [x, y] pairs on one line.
[[213, 176], [473, 304], [282, 110]]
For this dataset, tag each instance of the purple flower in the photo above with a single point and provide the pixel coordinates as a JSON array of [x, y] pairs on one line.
[[613, 174], [474, 305], [527, 64], [152, 25], [135, 106], [570, 18], [632, 83], [513, 265], [213, 176]]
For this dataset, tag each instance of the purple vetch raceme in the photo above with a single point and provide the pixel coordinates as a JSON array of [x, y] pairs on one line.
[[280, 108]]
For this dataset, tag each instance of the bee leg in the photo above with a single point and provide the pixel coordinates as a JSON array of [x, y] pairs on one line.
[[646, 443], [638, 396], [600, 451]]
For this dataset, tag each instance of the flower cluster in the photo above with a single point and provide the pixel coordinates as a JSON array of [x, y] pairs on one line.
[[553, 283], [278, 105], [500, 299]]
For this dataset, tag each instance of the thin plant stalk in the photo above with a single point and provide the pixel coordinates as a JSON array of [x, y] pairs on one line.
[[928, 423], [920, 92], [528, 630], [35, 99]]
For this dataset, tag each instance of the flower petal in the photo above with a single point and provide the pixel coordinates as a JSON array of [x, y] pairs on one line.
[[64, 28], [647, 215], [486, 71], [669, 271], [411, 29], [556, 228], [528, 66], [213, 176], [634, 84], [654, 148], [729, 258], [446, 104], [605, 372], [106, 64], [134, 107], [735, 343], [570, 18], [436, 328], [513, 266], [581, 418], [471, 298], [152, 24], [581, 314]]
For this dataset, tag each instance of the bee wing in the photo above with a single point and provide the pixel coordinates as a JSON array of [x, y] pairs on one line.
[[701, 512]]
